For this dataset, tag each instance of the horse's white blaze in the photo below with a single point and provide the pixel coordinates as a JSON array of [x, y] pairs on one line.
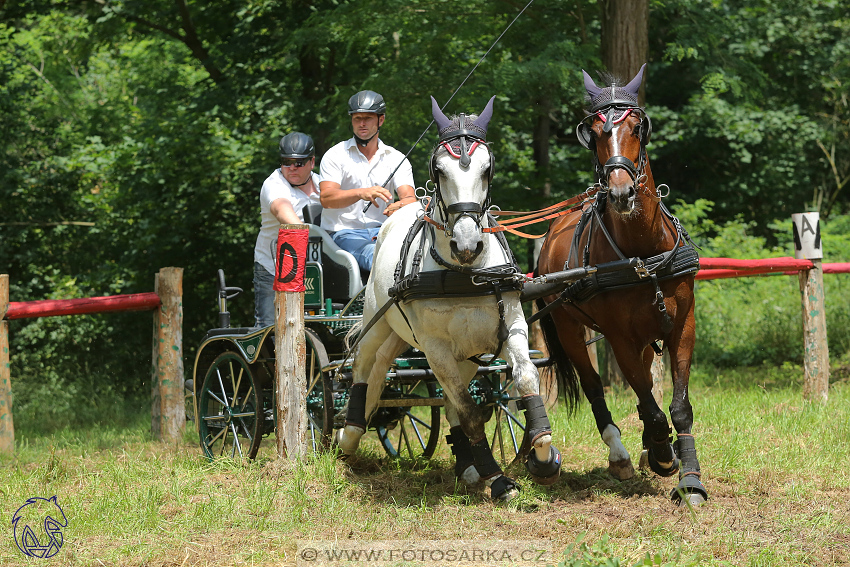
[[617, 451]]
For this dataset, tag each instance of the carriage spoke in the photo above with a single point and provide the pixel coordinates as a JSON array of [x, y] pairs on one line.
[[247, 398], [223, 391], [223, 431], [413, 420], [246, 430], [498, 432], [236, 383], [394, 432], [511, 416], [406, 440], [236, 444], [216, 398], [511, 420], [224, 441], [220, 417]]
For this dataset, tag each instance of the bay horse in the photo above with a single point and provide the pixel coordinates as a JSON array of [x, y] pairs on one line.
[[444, 282], [642, 292]]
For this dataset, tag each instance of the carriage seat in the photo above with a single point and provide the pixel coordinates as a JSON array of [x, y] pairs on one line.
[[341, 276]]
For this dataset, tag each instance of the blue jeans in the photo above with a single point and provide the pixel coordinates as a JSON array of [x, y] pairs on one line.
[[360, 242], [263, 297]]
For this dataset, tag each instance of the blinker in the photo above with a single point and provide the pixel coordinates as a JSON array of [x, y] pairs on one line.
[[609, 120]]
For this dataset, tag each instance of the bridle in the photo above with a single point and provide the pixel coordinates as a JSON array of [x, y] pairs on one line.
[[608, 115], [468, 140]]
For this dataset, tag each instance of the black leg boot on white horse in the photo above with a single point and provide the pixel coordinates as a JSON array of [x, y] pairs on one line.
[[376, 353], [543, 466], [461, 449]]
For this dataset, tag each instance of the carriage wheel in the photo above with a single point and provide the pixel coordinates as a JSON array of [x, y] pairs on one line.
[[505, 427], [410, 432], [319, 396], [230, 412]]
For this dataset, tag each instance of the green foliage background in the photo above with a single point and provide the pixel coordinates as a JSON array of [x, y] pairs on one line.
[[135, 137]]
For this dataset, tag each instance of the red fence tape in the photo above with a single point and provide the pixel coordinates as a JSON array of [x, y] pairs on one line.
[[55, 307], [719, 268]]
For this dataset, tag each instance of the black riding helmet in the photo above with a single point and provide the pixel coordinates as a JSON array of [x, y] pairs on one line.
[[367, 101], [297, 145]]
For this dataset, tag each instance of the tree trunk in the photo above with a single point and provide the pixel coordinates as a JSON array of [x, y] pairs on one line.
[[540, 153], [625, 38]]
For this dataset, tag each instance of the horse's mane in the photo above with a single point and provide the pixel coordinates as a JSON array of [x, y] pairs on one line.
[[470, 118]]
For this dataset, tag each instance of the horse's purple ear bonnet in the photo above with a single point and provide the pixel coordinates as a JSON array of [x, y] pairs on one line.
[[615, 95]]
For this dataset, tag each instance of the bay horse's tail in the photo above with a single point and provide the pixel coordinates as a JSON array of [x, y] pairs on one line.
[[565, 373]]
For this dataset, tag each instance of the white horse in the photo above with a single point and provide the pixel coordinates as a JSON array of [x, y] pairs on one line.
[[475, 310]]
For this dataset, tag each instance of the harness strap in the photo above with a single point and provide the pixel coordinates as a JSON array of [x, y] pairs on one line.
[[619, 252], [549, 307], [502, 335], [581, 197]]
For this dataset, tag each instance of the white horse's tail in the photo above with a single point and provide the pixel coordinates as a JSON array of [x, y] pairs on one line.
[[351, 335]]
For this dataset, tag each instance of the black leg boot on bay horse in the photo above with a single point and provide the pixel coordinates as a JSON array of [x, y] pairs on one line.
[[657, 441], [690, 489], [537, 425]]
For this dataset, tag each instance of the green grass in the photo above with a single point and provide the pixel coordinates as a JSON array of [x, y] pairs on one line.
[[777, 469]]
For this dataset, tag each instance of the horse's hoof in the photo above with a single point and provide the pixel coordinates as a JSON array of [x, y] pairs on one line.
[[666, 469], [643, 463], [349, 439], [690, 491], [470, 476], [691, 500], [503, 489], [544, 472], [622, 469], [509, 495]]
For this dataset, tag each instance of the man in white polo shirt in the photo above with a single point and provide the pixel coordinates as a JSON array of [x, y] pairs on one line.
[[352, 172], [284, 195]]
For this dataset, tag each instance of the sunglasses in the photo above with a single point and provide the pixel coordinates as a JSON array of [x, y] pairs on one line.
[[294, 162]]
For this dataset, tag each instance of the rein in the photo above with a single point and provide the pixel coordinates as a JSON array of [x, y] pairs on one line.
[[526, 217]]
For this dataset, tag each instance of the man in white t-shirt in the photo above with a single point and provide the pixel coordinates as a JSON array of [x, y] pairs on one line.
[[355, 204], [283, 197]]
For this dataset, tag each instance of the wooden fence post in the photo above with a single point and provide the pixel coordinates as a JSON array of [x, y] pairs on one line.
[[807, 245], [816, 353], [657, 371], [290, 345], [7, 428], [168, 410]]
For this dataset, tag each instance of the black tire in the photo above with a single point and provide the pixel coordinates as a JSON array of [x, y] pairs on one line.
[[319, 395], [230, 412]]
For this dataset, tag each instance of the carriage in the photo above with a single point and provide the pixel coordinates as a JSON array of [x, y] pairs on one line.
[[232, 384]]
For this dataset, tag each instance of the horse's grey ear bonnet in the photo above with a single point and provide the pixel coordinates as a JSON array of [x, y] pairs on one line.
[[612, 104], [456, 133]]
